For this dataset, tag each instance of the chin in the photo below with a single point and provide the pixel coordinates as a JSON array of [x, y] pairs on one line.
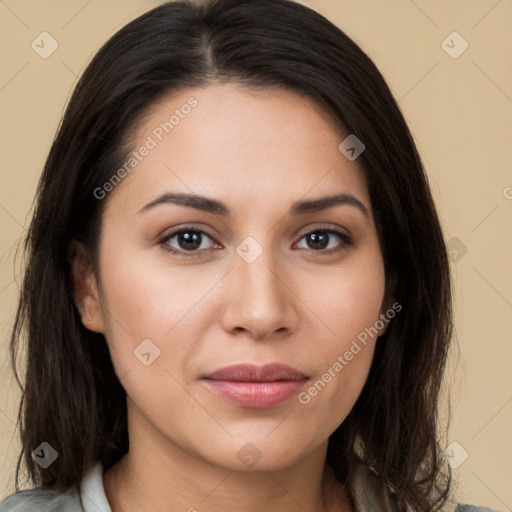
[[261, 454]]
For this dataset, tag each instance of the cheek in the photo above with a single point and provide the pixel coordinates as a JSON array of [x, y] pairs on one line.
[[349, 310], [349, 304], [331, 395], [343, 357], [143, 301], [147, 299]]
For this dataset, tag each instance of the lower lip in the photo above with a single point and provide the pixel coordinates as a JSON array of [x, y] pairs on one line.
[[256, 395]]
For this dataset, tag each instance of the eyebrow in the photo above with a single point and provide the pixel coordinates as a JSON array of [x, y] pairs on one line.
[[218, 207]]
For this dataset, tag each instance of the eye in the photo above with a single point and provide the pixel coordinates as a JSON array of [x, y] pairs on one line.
[[191, 240], [188, 239], [325, 240]]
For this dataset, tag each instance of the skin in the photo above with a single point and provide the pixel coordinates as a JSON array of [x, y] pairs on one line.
[[258, 151]]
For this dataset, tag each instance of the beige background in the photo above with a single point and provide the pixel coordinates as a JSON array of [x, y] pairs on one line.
[[460, 111]]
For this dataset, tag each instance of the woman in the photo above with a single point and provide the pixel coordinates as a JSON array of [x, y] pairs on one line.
[[237, 294]]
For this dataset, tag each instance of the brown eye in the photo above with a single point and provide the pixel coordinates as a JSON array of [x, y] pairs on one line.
[[186, 240], [325, 240]]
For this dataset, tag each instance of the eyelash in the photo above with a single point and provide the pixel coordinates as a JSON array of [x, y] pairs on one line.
[[346, 241]]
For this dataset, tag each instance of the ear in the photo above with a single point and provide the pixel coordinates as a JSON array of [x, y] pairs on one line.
[[85, 288], [388, 303]]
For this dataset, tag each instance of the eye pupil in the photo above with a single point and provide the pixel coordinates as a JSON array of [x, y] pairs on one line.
[[189, 240], [318, 239]]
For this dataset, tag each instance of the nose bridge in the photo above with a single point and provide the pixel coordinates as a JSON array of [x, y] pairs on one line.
[[260, 302], [255, 268]]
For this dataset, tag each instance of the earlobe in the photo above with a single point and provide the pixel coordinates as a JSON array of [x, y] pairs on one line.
[[382, 323], [92, 316], [387, 312], [85, 288]]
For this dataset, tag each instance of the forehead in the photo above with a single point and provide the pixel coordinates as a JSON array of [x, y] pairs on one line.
[[241, 145]]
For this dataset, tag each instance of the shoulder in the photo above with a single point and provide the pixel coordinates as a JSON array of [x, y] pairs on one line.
[[89, 496], [471, 508], [42, 500], [371, 495]]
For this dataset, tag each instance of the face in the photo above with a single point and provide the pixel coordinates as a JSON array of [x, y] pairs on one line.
[[239, 322]]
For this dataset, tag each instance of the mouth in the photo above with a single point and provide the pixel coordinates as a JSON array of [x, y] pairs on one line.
[[256, 387]]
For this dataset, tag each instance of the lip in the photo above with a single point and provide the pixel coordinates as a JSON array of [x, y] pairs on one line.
[[256, 387]]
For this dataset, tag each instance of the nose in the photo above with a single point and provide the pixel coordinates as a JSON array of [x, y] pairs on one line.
[[259, 299]]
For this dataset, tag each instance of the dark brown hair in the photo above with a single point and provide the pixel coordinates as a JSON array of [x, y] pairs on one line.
[[72, 398]]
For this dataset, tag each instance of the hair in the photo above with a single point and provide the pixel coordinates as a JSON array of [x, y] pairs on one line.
[[71, 396]]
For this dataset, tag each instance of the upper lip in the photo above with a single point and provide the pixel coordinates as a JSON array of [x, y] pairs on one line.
[[253, 373]]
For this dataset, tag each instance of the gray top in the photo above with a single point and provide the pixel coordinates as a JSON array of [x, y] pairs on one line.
[[369, 496]]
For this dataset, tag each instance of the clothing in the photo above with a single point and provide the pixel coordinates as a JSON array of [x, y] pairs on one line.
[[368, 494]]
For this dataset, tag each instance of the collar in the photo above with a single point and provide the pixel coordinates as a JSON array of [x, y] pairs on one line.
[[369, 494]]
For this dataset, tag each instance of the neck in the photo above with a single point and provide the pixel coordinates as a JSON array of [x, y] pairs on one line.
[[159, 476]]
